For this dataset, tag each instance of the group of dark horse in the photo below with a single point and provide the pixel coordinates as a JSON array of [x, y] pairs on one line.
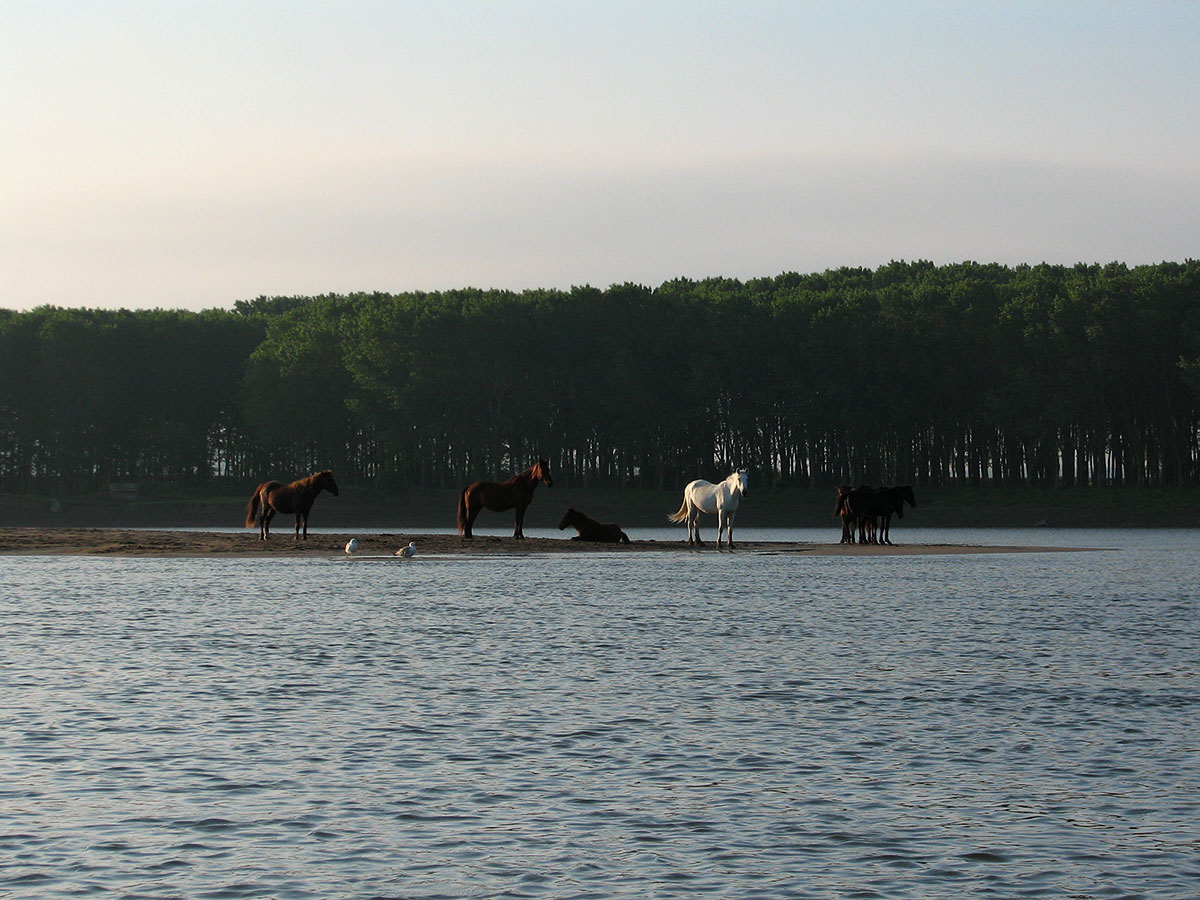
[[868, 511]]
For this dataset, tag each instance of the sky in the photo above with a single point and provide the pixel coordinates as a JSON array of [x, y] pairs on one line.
[[186, 155]]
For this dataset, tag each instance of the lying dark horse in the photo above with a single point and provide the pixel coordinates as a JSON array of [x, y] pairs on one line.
[[274, 496], [516, 493], [591, 530], [870, 510]]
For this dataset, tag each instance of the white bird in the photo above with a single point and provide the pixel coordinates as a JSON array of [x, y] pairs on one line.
[[351, 546], [408, 552]]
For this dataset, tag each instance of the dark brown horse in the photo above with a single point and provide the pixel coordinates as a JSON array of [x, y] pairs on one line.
[[274, 496], [591, 530], [891, 500], [516, 493]]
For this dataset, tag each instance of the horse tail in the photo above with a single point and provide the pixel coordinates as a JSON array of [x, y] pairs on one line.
[[252, 509], [462, 511], [680, 516]]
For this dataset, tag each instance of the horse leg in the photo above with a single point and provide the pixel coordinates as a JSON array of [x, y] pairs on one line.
[[264, 524], [847, 528], [694, 525], [729, 524], [472, 511], [519, 531]]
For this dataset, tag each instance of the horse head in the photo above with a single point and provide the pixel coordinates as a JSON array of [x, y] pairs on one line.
[[741, 481], [569, 518], [325, 480], [541, 471]]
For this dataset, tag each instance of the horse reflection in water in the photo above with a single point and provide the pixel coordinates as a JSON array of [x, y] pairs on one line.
[[271, 497], [705, 497], [515, 493]]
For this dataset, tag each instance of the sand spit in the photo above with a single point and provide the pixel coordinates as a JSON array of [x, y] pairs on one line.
[[134, 542]]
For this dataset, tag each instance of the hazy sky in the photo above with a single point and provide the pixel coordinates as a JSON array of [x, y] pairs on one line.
[[190, 154]]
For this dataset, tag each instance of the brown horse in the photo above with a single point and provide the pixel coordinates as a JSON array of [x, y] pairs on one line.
[[516, 493], [271, 497], [591, 530]]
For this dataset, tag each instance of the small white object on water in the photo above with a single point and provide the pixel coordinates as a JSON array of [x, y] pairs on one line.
[[408, 552], [351, 546]]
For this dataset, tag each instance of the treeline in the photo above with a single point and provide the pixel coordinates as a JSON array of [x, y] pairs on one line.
[[911, 372]]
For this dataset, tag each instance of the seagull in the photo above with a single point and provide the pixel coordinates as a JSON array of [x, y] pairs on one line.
[[408, 552], [351, 546]]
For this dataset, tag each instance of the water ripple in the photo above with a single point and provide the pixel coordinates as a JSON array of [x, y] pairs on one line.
[[609, 726]]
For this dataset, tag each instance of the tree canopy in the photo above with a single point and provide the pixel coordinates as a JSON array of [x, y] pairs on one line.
[[912, 372]]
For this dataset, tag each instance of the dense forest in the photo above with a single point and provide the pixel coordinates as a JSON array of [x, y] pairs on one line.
[[967, 373]]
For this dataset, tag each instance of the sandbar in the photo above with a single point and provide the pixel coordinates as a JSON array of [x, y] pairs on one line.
[[137, 542]]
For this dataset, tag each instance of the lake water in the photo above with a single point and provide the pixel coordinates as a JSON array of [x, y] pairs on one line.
[[608, 725]]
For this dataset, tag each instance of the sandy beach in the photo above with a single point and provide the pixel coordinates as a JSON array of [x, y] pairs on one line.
[[136, 542]]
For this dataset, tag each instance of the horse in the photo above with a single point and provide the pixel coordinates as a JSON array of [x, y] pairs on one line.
[[857, 507], [889, 500], [271, 497], [871, 510], [842, 508], [591, 530], [516, 493], [705, 497]]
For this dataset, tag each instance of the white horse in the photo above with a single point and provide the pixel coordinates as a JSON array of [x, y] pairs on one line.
[[705, 497]]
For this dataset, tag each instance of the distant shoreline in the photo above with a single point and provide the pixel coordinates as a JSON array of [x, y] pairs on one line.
[[119, 542], [358, 508]]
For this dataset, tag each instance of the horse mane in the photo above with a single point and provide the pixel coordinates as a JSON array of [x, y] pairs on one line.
[[539, 471]]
